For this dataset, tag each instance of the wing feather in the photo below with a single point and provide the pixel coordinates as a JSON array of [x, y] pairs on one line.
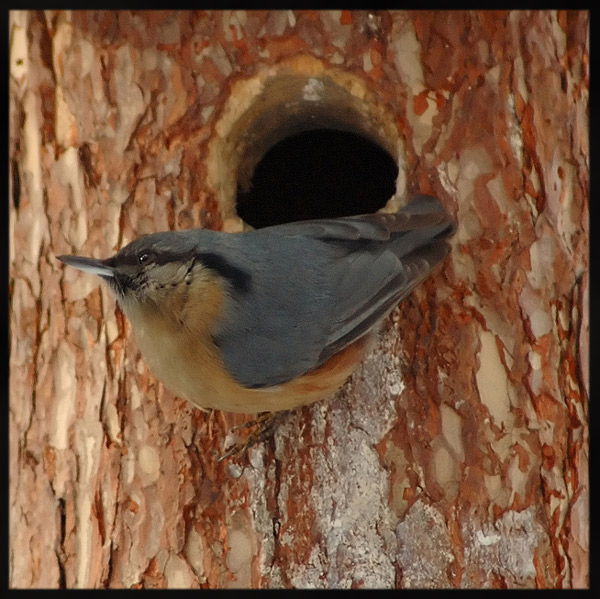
[[319, 285]]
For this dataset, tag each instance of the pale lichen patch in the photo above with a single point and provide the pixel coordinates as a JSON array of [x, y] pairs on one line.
[[492, 381]]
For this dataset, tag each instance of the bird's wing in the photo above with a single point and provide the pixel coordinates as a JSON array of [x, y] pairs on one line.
[[327, 283]]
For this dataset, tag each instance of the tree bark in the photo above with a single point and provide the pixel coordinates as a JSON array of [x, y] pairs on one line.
[[455, 456]]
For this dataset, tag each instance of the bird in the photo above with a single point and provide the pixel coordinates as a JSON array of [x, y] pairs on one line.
[[273, 318]]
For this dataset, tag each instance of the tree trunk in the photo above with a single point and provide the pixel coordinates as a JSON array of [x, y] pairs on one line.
[[455, 456]]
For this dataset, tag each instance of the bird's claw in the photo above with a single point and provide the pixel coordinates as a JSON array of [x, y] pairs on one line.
[[263, 425]]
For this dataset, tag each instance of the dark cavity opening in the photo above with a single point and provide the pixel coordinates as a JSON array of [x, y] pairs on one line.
[[320, 173]]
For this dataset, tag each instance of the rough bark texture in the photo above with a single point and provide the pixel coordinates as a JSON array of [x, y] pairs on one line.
[[457, 454]]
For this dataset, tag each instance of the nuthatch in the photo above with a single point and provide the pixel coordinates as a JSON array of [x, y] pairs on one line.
[[275, 318]]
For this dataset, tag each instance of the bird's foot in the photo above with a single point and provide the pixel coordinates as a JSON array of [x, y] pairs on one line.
[[263, 427]]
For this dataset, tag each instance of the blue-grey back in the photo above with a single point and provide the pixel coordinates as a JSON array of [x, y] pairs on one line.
[[311, 288]]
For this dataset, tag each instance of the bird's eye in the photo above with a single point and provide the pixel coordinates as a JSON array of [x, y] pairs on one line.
[[144, 258]]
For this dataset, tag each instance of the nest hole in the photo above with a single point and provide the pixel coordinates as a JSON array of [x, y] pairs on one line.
[[319, 173]]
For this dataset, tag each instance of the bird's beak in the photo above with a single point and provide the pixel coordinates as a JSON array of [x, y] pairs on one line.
[[91, 265]]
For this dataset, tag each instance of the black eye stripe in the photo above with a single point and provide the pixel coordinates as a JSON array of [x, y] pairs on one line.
[[239, 278]]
